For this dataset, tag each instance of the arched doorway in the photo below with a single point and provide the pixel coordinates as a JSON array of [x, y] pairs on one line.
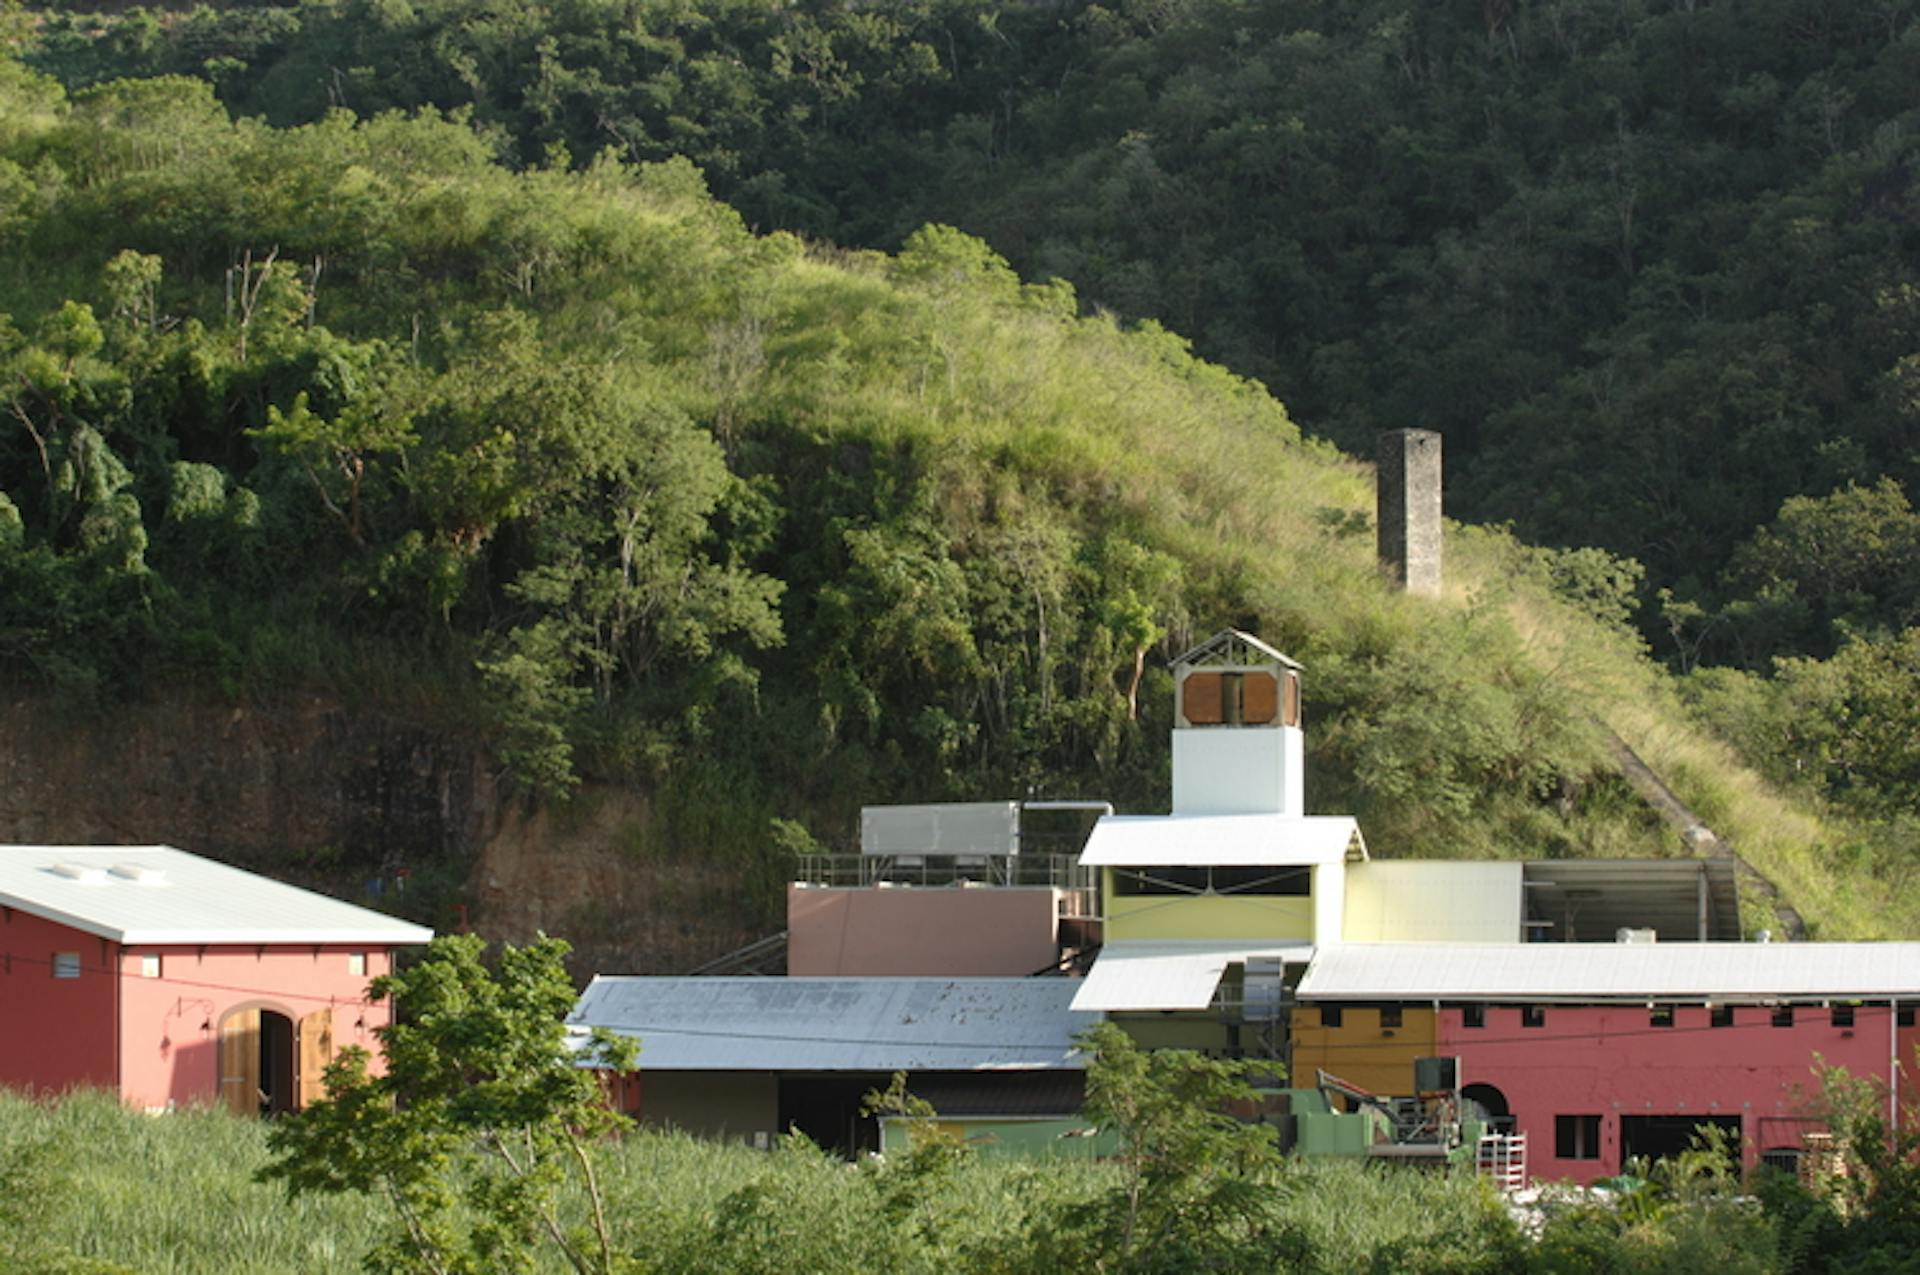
[[1484, 1102], [269, 1063]]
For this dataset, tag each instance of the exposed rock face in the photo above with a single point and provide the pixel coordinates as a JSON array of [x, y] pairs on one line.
[[355, 801]]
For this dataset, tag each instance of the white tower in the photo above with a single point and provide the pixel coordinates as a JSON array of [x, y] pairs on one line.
[[1237, 744]]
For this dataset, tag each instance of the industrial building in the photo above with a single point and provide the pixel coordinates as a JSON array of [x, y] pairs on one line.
[[1580, 1012]]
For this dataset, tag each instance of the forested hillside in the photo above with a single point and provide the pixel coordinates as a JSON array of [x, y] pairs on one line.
[[501, 414], [1649, 266]]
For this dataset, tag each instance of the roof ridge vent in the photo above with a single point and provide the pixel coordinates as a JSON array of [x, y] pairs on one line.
[[85, 874], [139, 873]]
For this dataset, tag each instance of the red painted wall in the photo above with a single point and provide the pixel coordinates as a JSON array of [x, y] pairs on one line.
[[163, 1046], [169, 1040], [55, 1034], [1611, 1062]]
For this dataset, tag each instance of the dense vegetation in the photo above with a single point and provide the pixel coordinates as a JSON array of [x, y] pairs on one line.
[[1650, 266], [503, 416]]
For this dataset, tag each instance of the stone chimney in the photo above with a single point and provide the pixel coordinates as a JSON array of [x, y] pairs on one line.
[[1409, 509]]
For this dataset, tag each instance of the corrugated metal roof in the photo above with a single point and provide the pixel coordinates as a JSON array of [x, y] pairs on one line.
[[1168, 974], [1611, 971], [1222, 841], [156, 894], [839, 1024]]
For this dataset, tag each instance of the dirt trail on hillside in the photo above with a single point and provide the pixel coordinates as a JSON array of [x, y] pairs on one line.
[[1701, 839]]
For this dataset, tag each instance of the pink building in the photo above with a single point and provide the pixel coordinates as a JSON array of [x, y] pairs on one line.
[[174, 980], [1599, 1052]]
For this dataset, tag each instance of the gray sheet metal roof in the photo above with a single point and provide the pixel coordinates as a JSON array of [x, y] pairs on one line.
[[1222, 841], [1578, 972], [839, 1024], [155, 894]]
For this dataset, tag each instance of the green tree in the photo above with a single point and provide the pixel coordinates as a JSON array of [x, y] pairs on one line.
[[1198, 1184], [485, 1099]]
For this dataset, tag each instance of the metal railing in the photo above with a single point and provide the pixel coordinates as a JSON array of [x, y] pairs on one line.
[[934, 871]]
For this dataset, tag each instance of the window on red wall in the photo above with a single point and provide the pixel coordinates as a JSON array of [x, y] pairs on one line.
[[1473, 1015], [1843, 1015], [1532, 1016], [1783, 1016], [1660, 1016], [1722, 1016], [1904, 1015], [1576, 1137], [66, 965]]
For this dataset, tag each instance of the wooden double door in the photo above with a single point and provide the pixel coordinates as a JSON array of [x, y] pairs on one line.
[[271, 1062]]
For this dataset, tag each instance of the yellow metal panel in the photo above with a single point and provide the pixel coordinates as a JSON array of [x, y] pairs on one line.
[[1360, 1051], [1411, 901], [1209, 916]]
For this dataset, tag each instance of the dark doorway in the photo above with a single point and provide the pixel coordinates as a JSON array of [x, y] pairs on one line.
[[1484, 1102], [276, 1063], [827, 1110], [1662, 1137]]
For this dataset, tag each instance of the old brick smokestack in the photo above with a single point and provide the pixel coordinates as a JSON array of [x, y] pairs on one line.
[[1409, 509]]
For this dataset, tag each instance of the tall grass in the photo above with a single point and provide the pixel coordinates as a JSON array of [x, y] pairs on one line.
[[175, 1195]]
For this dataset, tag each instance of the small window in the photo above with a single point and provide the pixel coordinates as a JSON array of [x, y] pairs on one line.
[[1389, 1017], [1904, 1015], [1473, 1015], [66, 965], [1722, 1016], [356, 963], [1783, 1016], [1532, 1016], [1330, 1015], [1843, 1015], [150, 965], [1660, 1016], [1576, 1137]]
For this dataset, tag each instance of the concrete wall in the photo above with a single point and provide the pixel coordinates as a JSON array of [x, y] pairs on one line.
[[1239, 770], [985, 932], [1611, 1062], [1408, 507], [1360, 1051], [58, 1033], [1412, 901], [712, 1104]]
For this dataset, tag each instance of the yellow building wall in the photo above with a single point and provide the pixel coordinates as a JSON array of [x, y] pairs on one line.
[[1421, 901], [1174, 1031], [1360, 1051], [1207, 916]]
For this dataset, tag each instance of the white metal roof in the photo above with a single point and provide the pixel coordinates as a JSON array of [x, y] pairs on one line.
[[1611, 971], [1222, 841], [839, 1024], [156, 894], [1168, 974]]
